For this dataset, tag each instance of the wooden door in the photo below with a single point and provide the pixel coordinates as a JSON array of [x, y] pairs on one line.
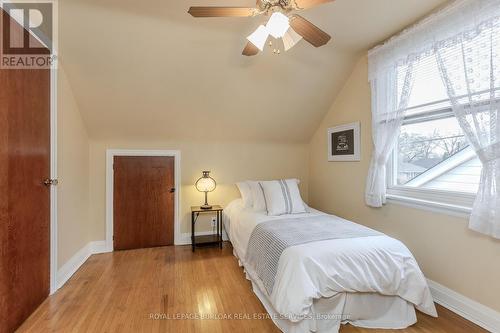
[[24, 199], [143, 202]]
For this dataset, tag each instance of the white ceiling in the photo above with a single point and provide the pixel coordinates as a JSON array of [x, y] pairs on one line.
[[148, 70]]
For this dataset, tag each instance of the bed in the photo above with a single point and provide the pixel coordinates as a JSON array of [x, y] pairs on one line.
[[371, 281]]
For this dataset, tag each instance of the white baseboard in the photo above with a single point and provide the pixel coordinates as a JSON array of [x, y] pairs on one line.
[[77, 260], [99, 247], [186, 237], [72, 265], [471, 310]]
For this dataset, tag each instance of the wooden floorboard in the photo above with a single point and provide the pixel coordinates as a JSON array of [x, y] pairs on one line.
[[154, 290]]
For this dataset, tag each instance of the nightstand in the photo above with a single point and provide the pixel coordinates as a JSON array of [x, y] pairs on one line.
[[206, 240]]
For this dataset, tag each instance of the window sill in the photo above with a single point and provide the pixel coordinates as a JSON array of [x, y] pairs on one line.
[[432, 206]]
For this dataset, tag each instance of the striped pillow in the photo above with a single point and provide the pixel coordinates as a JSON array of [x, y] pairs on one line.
[[282, 197], [258, 203]]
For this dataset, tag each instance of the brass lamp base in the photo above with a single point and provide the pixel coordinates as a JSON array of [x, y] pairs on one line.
[[206, 205]]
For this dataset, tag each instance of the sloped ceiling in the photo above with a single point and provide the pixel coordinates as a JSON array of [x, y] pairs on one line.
[[148, 70]]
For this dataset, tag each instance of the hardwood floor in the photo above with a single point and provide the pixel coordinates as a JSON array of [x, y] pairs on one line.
[[122, 291]]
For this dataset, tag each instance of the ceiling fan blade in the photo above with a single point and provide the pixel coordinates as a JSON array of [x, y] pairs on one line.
[[222, 11], [309, 31], [305, 4], [250, 50]]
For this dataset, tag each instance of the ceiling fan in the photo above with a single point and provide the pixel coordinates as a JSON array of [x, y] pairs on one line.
[[291, 28]]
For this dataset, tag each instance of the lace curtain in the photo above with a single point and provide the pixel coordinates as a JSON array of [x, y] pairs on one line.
[[464, 37], [470, 68], [388, 104]]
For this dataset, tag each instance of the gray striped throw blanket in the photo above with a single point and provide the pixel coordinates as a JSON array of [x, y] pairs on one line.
[[269, 239]]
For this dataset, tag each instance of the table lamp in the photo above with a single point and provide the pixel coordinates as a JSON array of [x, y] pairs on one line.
[[206, 184]]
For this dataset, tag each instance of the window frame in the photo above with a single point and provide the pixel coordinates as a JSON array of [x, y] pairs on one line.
[[443, 201]]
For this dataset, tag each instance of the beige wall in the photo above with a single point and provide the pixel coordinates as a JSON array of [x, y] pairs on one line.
[[73, 173], [446, 250], [229, 162]]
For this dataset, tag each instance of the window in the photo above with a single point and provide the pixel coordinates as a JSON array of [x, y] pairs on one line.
[[435, 106], [432, 158]]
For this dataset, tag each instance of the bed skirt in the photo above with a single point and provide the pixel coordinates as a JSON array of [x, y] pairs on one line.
[[367, 310]]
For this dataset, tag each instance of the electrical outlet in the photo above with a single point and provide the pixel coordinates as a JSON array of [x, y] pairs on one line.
[[214, 221]]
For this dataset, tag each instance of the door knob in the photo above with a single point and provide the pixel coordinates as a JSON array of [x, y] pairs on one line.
[[172, 190], [50, 182]]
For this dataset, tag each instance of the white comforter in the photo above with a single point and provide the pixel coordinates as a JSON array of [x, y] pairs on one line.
[[377, 264]]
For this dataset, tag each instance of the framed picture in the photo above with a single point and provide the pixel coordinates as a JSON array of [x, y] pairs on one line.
[[344, 143]]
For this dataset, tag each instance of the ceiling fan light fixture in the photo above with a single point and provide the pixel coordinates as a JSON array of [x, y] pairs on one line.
[[290, 39], [278, 24], [259, 37]]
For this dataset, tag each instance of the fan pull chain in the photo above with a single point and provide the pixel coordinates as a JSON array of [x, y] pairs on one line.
[[275, 51]]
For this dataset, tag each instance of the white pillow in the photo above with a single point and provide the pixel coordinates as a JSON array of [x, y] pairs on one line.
[[246, 194], [259, 204], [282, 197]]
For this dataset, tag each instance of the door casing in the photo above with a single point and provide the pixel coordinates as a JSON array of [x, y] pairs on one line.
[[110, 154], [53, 175]]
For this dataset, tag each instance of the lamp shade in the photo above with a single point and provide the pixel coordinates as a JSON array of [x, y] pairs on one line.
[[206, 183], [290, 38], [278, 24], [259, 37]]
